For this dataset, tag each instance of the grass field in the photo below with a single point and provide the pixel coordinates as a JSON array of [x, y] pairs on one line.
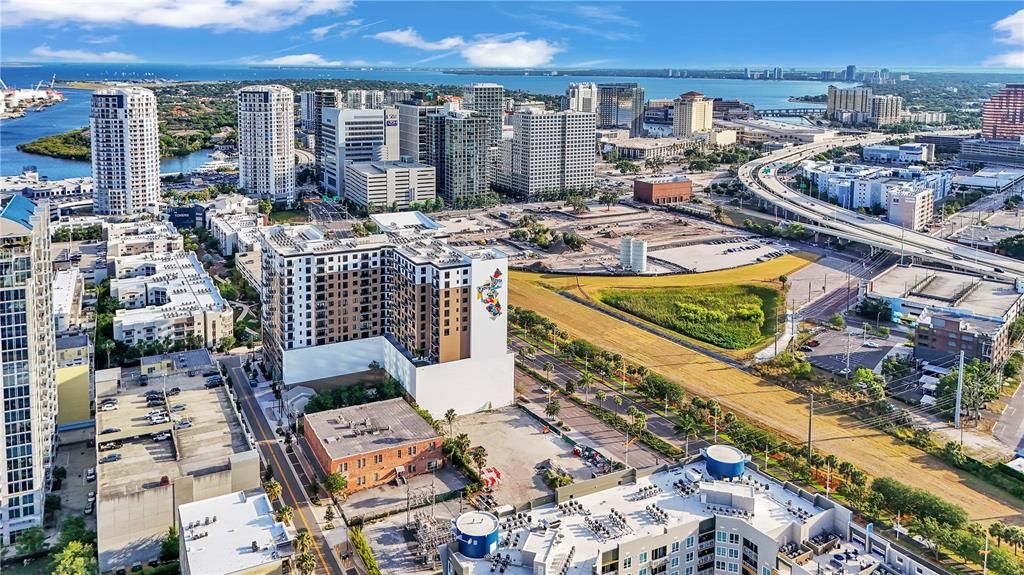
[[728, 316], [764, 403]]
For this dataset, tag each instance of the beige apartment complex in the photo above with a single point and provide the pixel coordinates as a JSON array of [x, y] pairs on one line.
[[692, 114]]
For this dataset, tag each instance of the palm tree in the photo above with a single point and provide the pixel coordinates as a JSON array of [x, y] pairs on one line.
[[449, 416], [462, 443], [686, 426], [601, 395], [548, 368], [106, 346], [306, 563], [586, 381], [553, 408], [618, 402], [639, 423], [273, 489], [285, 514], [303, 542], [632, 412], [479, 457]]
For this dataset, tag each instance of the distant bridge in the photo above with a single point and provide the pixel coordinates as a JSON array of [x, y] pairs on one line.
[[790, 112]]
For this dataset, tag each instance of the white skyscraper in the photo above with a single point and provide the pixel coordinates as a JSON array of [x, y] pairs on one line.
[[356, 136], [266, 142], [488, 99], [581, 97], [364, 99], [552, 151], [28, 364], [125, 150]]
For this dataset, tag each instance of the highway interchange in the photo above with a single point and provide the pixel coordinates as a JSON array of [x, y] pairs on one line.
[[761, 177]]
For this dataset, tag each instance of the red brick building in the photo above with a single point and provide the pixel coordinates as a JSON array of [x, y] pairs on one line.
[[1003, 115], [374, 443], [663, 190]]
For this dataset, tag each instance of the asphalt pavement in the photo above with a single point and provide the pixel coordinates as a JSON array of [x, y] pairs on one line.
[[293, 492]]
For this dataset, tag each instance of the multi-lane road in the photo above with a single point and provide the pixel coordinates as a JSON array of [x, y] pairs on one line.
[[761, 177]]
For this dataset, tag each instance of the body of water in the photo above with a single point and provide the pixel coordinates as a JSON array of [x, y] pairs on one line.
[[74, 111]]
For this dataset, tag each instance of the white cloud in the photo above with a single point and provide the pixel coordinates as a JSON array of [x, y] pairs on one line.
[[486, 50], [354, 22], [319, 33], [301, 60], [1009, 30], [517, 53], [44, 51], [253, 15], [1012, 28], [100, 39], [411, 38]]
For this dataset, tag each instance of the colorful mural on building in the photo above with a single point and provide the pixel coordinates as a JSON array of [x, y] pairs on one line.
[[488, 294]]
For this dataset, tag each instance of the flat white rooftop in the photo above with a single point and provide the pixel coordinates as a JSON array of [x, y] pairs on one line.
[[178, 276], [65, 284], [926, 287], [232, 533], [682, 495]]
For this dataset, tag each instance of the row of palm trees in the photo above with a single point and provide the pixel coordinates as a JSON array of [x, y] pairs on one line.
[[461, 444], [335, 484]]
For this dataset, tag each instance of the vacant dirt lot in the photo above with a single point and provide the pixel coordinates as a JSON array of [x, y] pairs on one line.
[[774, 407]]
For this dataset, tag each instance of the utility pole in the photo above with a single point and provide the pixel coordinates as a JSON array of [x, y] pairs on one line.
[[810, 421], [959, 396], [985, 552], [849, 336]]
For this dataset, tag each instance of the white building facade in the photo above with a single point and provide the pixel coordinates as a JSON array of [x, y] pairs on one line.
[[552, 151], [125, 146], [581, 97], [29, 392], [488, 99], [356, 136], [266, 142], [384, 185]]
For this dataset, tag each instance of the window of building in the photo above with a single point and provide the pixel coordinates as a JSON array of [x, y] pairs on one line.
[[627, 562], [766, 570], [689, 557], [643, 557], [689, 542], [734, 553], [675, 562], [720, 565], [659, 553], [722, 536], [734, 568], [720, 551], [378, 458], [675, 547], [734, 538], [412, 451]]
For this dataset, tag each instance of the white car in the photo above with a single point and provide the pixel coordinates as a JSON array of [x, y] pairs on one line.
[[183, 424], [162, 436], [158, 420], [871, 344], [152, 412], [108, 407]]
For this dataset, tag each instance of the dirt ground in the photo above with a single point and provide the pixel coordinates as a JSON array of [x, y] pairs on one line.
[[774, 407], [515, 444]]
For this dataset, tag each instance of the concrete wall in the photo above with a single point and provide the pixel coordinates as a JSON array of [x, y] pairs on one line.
[[72, 394]]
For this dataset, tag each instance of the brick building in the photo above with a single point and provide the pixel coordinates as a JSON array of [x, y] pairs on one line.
[[662, 190], [374, 443]]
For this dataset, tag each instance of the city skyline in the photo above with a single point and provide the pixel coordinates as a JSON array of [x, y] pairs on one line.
[[338, 33]]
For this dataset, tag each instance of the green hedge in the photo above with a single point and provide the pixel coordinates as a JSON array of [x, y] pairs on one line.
[[363, 550]]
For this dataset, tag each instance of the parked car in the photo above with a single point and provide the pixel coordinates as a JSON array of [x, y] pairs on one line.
[[814, 343], [871, 344], [143, 380], [213, 384], [110, 458], [110, 446], [806, 348], [159, 420], [156, 402], [91, 497], [110, 430], [178, 407], [173, 391], [210, 373], [89, 507], [844, 371], [183, 424], [157, 411], [162, 436], [108, 407], [90, 475]]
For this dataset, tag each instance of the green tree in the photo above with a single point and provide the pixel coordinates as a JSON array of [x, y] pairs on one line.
[[266, 206], [553, 408], [306, 563], [837, 321], [74, 529], [76, 558], [449, 416], [479, 457], [335, 484], [273, 489], [30, 541], [329, 515], [169, 545], [608, 199], [303, 542], [285, 514]]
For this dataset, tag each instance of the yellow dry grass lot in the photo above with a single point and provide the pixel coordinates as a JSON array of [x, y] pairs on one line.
[[774, 407]]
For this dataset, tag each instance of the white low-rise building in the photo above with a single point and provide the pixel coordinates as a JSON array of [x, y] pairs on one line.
[[68, 286], [141, 238], [390, 184], [233, 534], [901, 154], [911, 206], [168, 297], [236, 232]]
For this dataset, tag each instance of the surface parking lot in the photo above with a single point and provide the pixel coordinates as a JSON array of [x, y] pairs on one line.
[[830, 353], [722, 254]]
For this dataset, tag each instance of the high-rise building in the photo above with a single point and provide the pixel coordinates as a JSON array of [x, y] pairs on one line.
[[266, 142], [396, 97], [322, 99], [412, 128], [489, 100], [364, 99], [432, 315], [460, 148], [1003, 115], [851, 73], [692, 114], [886, 109], [778, 73], [29, 412], [307, 110], [125, 142], [581, 97], [552, 152], [853, 100], [621, 105], [356, 136]]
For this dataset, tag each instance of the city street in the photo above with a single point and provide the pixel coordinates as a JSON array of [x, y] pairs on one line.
[[293, 491]]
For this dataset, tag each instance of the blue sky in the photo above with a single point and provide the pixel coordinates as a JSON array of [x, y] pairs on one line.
[[516, 34]]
